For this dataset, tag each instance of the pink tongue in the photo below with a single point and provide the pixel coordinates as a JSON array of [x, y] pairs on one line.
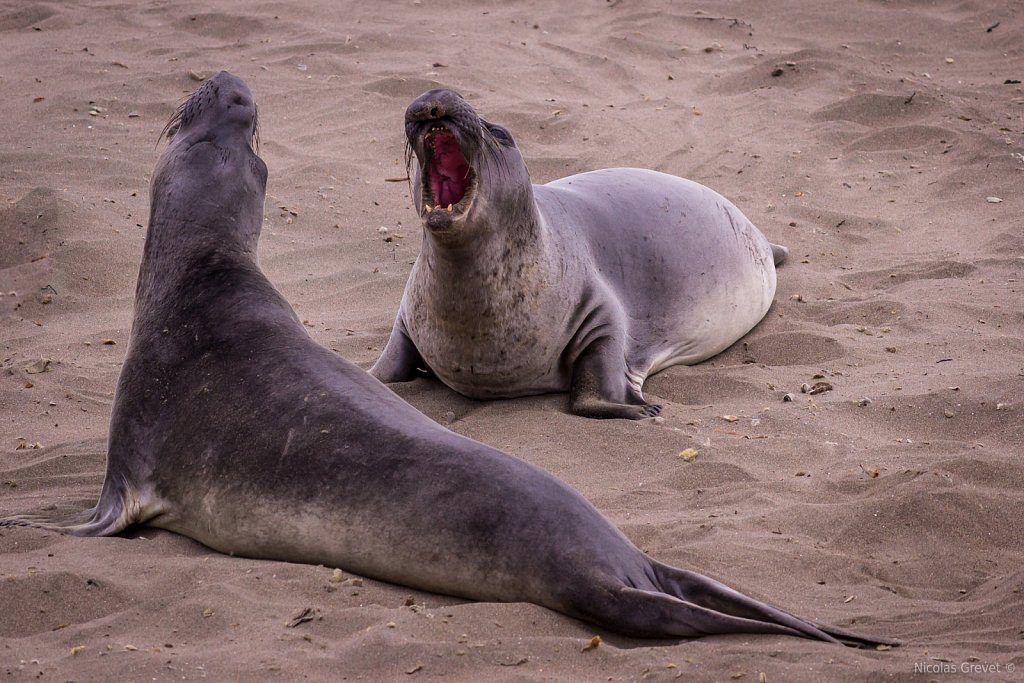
[[448, 172]]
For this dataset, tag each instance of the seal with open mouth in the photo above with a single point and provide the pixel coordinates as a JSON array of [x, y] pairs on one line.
[[588, 284]]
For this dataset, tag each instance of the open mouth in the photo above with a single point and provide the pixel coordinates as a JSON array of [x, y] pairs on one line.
[[448, 180]]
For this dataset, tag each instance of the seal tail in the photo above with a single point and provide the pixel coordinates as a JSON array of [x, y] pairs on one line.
[[108, 517], [712, 607], [779, 254]]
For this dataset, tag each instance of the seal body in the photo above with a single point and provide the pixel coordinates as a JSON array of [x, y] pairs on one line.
[[231, 426], [586, 284]]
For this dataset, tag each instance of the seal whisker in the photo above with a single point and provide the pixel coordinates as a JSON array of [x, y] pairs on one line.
[[173, 123], [255, 141], [409, 156]]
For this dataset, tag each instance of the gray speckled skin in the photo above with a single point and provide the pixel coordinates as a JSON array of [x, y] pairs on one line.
[[587, 284], [231, 426]]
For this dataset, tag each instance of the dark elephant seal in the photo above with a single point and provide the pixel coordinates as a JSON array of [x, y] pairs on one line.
[[231, 426], [587, 284]]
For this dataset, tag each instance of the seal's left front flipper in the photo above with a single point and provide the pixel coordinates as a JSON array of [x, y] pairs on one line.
[[400, 361]]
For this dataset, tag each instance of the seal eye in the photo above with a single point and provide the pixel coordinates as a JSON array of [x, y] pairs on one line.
[[500, 134]]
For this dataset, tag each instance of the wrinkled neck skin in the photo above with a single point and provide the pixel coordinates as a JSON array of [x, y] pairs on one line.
[[500, 234], [206, 200]]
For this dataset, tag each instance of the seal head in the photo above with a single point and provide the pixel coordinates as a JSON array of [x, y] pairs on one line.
[[457, 150]]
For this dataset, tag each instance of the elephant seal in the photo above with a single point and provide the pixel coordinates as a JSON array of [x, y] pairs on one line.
[[230, 425], [588, 284]]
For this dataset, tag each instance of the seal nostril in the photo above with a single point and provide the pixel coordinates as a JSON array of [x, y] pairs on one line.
[[434, 112]]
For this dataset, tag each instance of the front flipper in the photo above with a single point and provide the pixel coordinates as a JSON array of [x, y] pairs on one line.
[[400, 361], [600, 387]]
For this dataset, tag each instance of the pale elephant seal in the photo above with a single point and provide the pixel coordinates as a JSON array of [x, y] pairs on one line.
[[231, 426], [587, 284]]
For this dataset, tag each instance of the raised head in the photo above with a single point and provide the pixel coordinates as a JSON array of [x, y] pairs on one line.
[[209, 182], [465, 164], [222, 108]]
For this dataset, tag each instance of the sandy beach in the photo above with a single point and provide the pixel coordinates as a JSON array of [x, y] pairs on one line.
[[882, 142]]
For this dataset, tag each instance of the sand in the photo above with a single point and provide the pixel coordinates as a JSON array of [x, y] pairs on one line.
[[880, 141]]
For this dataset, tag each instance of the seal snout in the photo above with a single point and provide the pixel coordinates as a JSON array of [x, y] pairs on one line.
[[223, 104], [437, 104]]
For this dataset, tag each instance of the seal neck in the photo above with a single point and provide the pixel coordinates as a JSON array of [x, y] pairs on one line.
[[476, 275], [513, 230], [222, 223]]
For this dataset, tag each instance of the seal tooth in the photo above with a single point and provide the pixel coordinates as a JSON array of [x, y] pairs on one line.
[[449, 208], [427, 208]]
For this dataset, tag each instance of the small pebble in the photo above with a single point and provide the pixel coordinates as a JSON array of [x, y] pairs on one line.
[[688, 454], [819, 388]]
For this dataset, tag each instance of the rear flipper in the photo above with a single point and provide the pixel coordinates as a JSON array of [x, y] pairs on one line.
[[107, 518], [717, 608], [660, 615], [779, 254]]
